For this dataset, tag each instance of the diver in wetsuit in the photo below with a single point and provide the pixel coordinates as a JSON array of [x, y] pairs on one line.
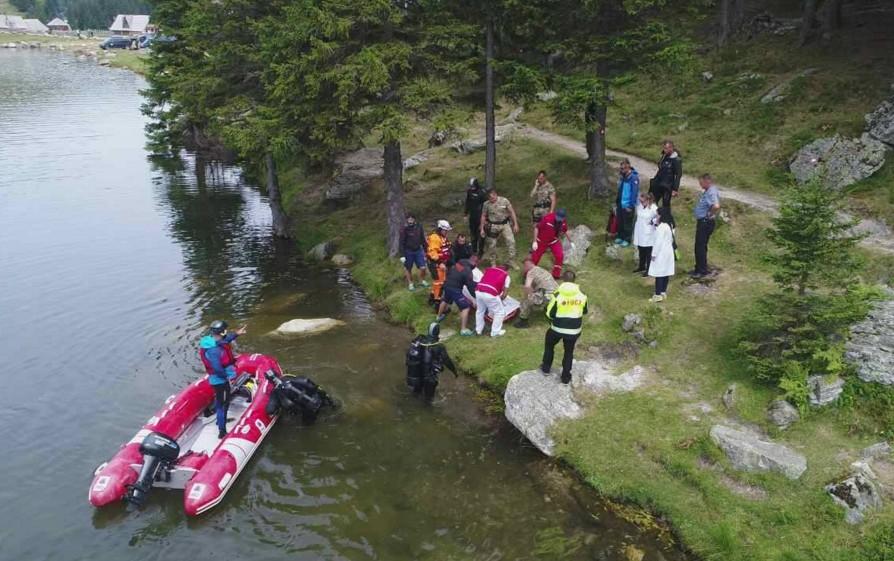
[[426, 359]]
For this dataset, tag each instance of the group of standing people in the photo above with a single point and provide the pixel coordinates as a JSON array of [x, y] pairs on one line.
[[652, 228]]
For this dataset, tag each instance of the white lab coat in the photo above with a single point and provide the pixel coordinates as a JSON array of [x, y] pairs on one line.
[[662, 252], [644, 231]]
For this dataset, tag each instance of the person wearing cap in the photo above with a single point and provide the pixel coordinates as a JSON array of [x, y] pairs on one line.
[[543, 195], [439, 254], [413, 249], [548, 236], [219, 360], [475, 197], [496, 216]]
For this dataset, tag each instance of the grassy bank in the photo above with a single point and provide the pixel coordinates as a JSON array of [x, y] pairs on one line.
[[650, 447], [135, 61], [721, 126]]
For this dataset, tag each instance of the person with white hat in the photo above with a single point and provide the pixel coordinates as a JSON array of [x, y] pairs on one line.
[[439, 253]]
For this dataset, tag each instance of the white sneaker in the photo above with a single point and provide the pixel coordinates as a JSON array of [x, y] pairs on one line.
[[499, 333], [410, 287], [657, 298]]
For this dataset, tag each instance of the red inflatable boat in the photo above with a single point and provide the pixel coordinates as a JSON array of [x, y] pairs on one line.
[[178, 448]]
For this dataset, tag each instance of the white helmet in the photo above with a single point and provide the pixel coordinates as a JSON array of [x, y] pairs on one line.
[[444, 225]]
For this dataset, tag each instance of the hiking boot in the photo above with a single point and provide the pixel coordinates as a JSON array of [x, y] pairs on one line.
[[522, 323], [544, 369], [566, 379], [221, 434]]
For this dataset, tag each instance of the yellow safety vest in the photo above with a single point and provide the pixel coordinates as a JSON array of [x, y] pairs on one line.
[[566, 309]]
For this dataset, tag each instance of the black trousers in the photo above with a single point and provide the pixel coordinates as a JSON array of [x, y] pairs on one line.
[[645, 257], [703, 230], [626, 219], [661, 284], [664, 196], [475, 234], [549, 347], [221, 404]]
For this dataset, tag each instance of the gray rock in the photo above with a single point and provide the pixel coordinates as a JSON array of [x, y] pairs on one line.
[[307, 326], [453, 201], [322, 251], [614, 252], [355, 172], [781, 90], [880, 123], [707, 76], [782, 414], [876, 451], [824, 391], [472, 145], [582, 237], [598, 378], [631, 321], [534, 403], [838, 162], [871, 345], [729, 397], [749, 452], [858, 493], [342, 260], [547, 96], [513, 115], [415, 160]]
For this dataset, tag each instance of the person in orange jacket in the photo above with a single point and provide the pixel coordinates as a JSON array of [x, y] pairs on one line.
[[438, 256]]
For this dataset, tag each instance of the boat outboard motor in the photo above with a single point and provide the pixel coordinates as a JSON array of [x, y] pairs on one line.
[[298, 395], [159, 452]]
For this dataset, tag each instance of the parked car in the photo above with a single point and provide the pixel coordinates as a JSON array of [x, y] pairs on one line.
[[144, 41], [117, 42]]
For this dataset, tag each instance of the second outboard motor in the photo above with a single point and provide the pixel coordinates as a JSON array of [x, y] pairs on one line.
[[159, 452]]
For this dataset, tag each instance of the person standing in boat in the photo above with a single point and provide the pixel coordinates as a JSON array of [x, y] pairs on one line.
[[216, 352]]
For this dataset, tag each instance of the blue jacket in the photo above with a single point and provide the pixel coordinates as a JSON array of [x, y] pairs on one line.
[[213, 353], [628, 190]]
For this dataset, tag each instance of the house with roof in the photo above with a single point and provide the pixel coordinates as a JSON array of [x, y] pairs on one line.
[[130, 25], [15, 24], [36, 26], [58, 25]]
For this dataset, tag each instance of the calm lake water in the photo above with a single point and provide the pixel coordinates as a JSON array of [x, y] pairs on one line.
[[111, 264]]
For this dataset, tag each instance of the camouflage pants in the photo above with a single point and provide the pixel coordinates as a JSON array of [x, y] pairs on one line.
[[537, 299], [498, 231]]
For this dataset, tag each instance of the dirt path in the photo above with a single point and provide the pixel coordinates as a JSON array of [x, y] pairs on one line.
[[879, 236]]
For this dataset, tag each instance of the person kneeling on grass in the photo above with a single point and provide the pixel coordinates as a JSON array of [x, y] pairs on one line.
[[539, 286], [662, 265], [566, 310], [458, 277], [489, 295]]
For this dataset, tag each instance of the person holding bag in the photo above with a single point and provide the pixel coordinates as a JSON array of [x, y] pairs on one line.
[[661, 267]]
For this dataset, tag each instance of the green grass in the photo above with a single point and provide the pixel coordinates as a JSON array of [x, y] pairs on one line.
[[644, 447], [135, 61], [722, 128]]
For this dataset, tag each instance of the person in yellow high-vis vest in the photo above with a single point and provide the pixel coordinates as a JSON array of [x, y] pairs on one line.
[[566, 310]]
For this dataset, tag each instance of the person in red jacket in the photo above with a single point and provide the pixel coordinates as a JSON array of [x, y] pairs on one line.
[[550, 230]]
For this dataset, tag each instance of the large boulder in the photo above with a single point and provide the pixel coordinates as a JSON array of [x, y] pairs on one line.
[[751, 452], [472, 145], [307, 326], [871, 345], [534, 403], [355, 172], [322, 251], [782, 414], [880, 123], [838, 162], [582, 237], [781, 90], [342, 260], [824, 390], [858, 493]]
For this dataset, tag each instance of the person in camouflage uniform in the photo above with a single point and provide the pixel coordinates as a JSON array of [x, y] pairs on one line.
[[539, 285], [498, 220], [543, 197]]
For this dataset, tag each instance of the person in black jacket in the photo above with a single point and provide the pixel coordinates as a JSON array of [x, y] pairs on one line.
[[476, 195], [666, 183], [413, 248]]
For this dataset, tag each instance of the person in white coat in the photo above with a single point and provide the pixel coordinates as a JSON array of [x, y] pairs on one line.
[[662, 266], [644, 231]]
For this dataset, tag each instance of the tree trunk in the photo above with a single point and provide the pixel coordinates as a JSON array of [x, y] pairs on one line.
[[490, 156], [599, 185], [808, 20], [831, 16], [394, 195], [281, 227], [738, 15], [725, 16]]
